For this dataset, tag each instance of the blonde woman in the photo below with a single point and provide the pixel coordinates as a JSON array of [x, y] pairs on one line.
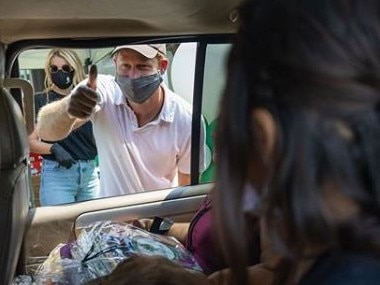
[[68, 169]]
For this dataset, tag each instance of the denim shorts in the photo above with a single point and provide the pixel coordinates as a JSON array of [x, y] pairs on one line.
[[60, 185]]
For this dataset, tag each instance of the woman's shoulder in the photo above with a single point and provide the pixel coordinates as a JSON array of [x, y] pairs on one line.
[[40, 99], [40, 96]]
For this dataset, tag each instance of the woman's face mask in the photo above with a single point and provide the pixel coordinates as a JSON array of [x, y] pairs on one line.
[[62, 79], [138, 90]]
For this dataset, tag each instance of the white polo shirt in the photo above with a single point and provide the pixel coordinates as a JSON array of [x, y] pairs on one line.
[[134, 159]]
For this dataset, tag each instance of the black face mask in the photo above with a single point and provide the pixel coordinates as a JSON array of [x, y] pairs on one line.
[[61, 79]]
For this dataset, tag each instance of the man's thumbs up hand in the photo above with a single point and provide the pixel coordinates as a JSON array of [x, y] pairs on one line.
[[92, 76], [83, 100]]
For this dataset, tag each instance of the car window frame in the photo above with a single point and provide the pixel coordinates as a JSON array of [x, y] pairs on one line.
[[202, 41]]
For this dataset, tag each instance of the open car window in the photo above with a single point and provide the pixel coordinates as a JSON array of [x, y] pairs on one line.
[[196, 73]]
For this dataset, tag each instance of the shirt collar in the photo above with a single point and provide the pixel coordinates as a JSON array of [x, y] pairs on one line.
[[168, 108]]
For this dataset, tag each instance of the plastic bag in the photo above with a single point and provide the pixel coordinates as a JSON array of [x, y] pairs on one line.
[[23, 280], [101, 246]]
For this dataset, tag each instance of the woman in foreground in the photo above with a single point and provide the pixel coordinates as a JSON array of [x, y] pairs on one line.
[[300, 124]]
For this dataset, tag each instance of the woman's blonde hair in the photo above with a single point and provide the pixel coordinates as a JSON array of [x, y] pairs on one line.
[[72, 58]]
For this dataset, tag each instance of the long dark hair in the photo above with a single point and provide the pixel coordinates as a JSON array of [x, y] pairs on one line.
[[315, 65]]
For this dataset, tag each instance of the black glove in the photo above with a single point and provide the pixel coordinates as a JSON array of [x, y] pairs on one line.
[[62, 156]]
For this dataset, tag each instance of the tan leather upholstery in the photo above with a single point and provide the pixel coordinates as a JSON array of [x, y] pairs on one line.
[[14, 184]]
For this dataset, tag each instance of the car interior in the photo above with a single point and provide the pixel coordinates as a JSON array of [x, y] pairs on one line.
[[198, 35]]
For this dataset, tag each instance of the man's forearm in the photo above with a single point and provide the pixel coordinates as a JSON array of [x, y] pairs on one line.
[[53, 121]]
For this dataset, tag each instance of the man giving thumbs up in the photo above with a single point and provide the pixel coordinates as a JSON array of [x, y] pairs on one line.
[[142, 129]]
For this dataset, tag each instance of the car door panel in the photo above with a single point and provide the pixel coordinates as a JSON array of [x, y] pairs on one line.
[[50, 226]]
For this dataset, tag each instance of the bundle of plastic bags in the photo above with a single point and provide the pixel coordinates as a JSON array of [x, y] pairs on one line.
[[100, 247]]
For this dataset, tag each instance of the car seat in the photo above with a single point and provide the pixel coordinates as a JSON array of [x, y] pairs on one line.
[[14, 184]]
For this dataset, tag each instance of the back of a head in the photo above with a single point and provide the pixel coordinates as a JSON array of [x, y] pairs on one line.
[[315, 65], [150, 270]]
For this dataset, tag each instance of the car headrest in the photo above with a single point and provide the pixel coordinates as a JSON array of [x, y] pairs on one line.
[[14, 146]]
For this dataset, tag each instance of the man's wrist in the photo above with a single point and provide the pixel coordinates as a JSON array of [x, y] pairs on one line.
[[67, 101]]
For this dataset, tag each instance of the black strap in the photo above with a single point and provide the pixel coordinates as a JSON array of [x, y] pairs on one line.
[[160, 225], [155, 227]]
